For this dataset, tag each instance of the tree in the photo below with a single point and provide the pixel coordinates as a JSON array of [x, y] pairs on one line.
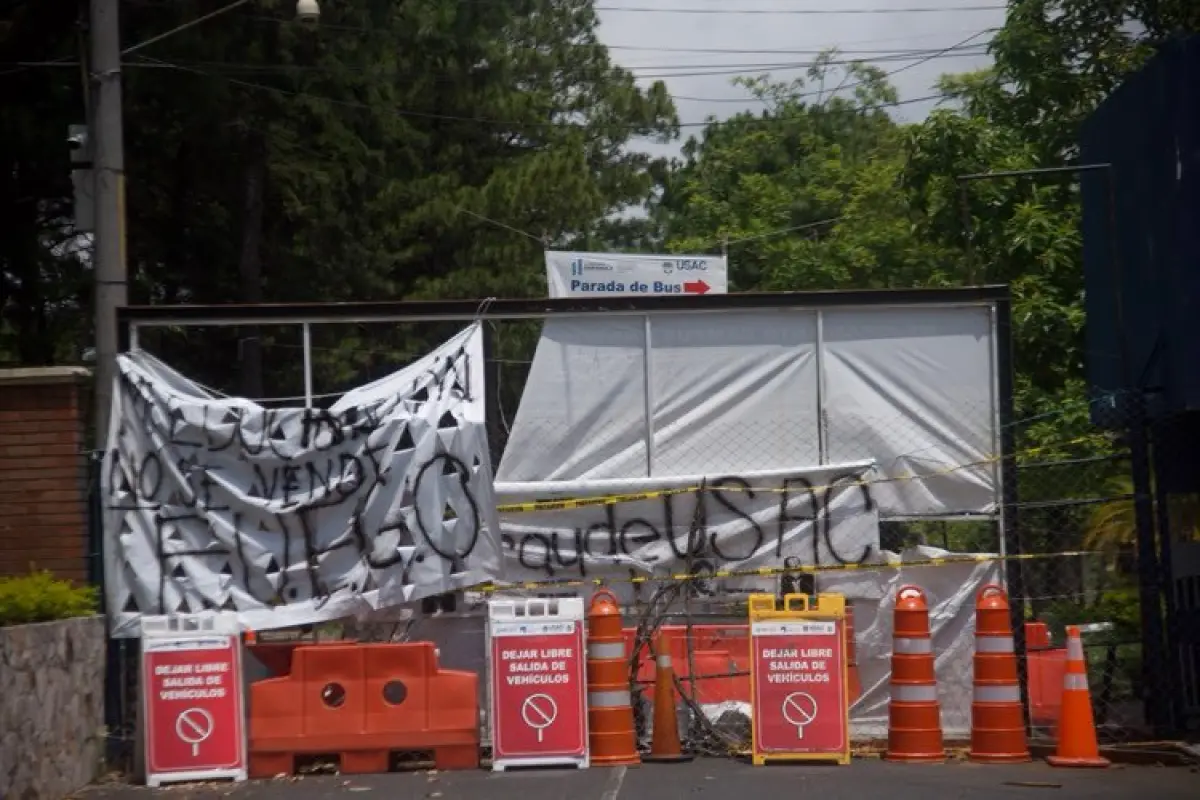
[[371, 158], [1111, 527], [1054, 62], [791, 185], [43, 275]]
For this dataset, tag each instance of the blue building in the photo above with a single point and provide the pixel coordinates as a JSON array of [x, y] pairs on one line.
[[1140, 156]]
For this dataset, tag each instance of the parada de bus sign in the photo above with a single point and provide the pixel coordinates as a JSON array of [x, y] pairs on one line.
[[573, 274]]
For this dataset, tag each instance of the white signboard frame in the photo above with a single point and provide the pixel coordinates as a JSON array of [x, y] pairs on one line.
[[186, 632], [579, 274], [516, 618]]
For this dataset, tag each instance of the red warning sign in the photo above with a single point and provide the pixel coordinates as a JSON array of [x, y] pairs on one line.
[[800, 703], [538, 690], [192, 689]]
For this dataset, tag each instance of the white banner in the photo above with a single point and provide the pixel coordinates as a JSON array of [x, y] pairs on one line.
[[817, 515], [292, 516], [572, 274]]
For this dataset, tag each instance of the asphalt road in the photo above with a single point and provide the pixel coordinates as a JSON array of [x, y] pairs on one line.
[[718, 779]]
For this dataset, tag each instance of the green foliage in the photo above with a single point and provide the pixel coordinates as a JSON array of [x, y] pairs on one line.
[[433, 148], [390, 152], [43, 284], [1114, 655], [40, 597], [811, 157]]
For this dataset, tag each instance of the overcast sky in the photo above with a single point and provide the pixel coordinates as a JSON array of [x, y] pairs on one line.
[[666, 39]]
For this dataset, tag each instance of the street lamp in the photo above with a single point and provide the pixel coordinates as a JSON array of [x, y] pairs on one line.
[[108, 163], [308, 10]]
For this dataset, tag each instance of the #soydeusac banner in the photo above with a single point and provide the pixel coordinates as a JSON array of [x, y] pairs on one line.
[[293, 516], [808, 516]]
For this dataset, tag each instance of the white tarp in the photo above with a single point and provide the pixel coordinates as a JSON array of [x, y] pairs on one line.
[[292, 516], [721, 521], [950, 589], [911, 388], [573, 274]]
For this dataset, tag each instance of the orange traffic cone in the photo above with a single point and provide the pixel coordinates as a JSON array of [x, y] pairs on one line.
[[997, 717], [664, 744], [914, 714], [1077, 744], [611, 734]]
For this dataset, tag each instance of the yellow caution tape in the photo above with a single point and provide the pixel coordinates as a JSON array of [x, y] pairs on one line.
[[770, 572], [567, 504]]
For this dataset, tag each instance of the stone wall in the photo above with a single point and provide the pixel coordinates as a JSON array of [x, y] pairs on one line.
[[51, 708]]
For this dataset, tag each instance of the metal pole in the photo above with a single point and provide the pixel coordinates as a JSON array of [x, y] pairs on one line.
[[308, 378], [1014, 573], [1159, 464], [108, 250], [1000, 418], [648, 395], [1154, 690], [822, 394]]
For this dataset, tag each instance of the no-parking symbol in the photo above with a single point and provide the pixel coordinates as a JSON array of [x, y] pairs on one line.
[[799, 709], [194, 726], [539, 712]]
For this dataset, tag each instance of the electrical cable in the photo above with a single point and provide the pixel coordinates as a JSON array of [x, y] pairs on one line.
[[803, 11], [518, 124], [661, 70]]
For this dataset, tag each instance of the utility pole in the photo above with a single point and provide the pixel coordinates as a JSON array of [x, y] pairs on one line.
[[108, 250]]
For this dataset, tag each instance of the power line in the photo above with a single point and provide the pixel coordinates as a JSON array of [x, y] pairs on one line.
[[716, 70], [633, 128], [720, 70], [184, 27], [819, 92], [360, 29], [656, 72], [801, 11], [804, 51]]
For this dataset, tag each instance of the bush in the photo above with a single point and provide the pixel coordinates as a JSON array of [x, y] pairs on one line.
[[40, 597]]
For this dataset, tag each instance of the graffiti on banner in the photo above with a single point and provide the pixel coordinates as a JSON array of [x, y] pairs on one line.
[[815, 516], [297, 515]]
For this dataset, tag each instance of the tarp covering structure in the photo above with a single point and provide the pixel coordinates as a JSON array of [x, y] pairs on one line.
[[910, 389], [293, 516], [789, 408]]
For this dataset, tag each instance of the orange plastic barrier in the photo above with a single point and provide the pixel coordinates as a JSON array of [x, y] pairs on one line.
[[853, 679], [364, 702], [914, 714], [1046, 665], [721, 658], [1037, 636], [276, 657], [997, 718]]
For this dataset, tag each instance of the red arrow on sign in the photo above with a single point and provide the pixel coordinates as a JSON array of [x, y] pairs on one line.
[[695, 287]]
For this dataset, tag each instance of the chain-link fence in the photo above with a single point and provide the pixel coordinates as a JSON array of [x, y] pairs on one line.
[[1068, 525], [1072, 488]]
